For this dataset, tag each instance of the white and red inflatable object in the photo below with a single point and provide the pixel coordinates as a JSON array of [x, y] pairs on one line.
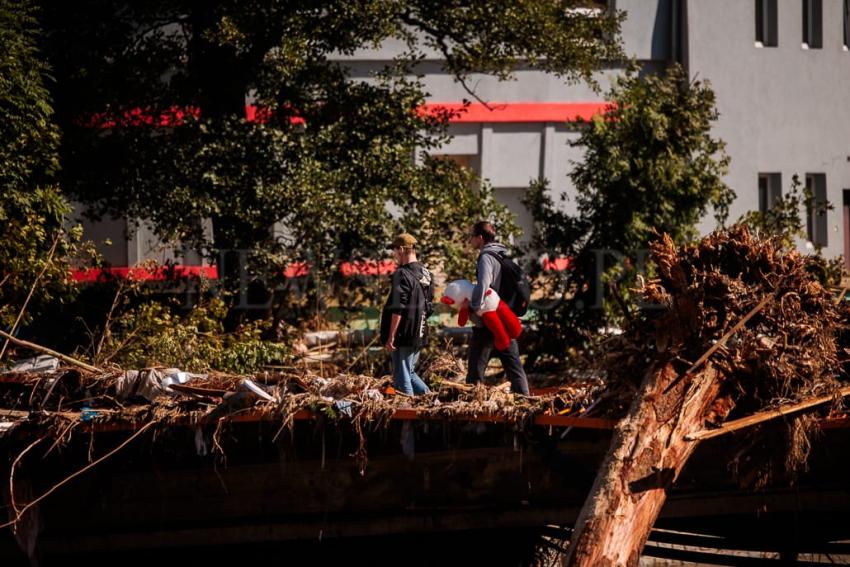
[[494, 313]]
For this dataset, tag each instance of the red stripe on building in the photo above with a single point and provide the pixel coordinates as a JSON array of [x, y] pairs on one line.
[[255, 113], [177, 271], [517, 111], [144, 274], [292, 270], [173, 116], [558, 264], [458, 113], [367, 268]]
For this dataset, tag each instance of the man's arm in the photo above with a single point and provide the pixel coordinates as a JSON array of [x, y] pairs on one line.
[[399, 293], [394, 323], [485, 273], [401, 296]]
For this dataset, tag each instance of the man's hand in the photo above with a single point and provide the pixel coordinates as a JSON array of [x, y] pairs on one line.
[[390, 346]]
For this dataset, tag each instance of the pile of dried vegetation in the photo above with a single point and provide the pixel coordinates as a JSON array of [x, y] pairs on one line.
[[757, 313]]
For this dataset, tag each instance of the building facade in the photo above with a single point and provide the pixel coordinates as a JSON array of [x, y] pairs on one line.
[[780, 70]]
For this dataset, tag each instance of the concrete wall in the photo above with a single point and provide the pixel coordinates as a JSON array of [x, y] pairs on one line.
[[527, 85], [646, 29], [783, 109], [120, 243]]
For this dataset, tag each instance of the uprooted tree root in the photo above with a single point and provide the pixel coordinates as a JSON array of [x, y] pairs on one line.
[[738, 325], [791, 349]]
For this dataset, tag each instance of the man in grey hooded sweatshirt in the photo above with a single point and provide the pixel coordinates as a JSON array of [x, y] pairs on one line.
[[482, 237]]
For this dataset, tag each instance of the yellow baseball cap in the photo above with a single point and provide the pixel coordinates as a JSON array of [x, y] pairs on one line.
[[403, 240]]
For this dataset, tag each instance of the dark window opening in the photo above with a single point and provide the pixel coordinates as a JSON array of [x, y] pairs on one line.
[[770, 190], [816, 228], [766, 23], [813, 24], [845, 13]]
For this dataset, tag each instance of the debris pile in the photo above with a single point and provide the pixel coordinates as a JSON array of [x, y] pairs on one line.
[[58, 404], [736, 331], [736, 326], [751, 309], [57, 400]]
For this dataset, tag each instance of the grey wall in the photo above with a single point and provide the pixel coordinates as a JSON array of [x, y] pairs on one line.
[[646, 29], [783, 109], [120, 243], [527, 84]]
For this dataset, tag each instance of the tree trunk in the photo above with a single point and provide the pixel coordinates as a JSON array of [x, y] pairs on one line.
[[219, 78], [647, 453]]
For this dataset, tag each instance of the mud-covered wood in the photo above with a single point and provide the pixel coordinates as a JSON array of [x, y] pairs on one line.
[[648, 451]]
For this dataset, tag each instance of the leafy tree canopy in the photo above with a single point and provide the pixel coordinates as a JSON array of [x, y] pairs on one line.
[[651, 166], [34, 246], [329, 153]]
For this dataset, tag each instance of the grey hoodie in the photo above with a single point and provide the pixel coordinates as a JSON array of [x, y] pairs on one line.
[[488, 274]]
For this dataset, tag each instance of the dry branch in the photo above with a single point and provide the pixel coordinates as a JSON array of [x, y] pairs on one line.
[[51, 352], [767, 415]]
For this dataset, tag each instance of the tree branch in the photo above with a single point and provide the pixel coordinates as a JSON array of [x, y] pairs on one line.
[[440, 39], [767, 415], [45, 350]]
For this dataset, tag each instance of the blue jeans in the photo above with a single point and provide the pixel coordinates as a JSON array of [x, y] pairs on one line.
[[405, 378]]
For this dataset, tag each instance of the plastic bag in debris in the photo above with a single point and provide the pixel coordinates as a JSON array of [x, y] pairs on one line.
[[344, 407], [153, 383], [373, 394], [201, 447], [257, 390], [41, 363], [408, 440], [245, 396]]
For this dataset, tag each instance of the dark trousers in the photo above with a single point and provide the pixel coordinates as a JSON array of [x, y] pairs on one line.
[[481, 351]]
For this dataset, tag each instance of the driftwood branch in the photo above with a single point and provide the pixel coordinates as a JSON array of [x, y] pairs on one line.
[[51, 352], [767, 415]]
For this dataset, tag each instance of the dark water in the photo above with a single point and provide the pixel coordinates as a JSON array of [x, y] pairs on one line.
[[492, 548]]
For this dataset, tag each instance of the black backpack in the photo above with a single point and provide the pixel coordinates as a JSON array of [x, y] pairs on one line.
[[514, 289]]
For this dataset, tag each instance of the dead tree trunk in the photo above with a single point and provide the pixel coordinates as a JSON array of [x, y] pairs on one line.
[[647, 453]]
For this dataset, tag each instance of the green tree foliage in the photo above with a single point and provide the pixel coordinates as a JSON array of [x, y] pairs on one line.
[[152, 334], [34, 246], [330, 153], [651, 166], [783, 219]]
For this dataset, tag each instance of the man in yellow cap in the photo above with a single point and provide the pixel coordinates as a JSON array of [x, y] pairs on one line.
[[404, 320]]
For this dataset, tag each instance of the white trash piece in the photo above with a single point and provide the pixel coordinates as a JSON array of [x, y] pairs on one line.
[[41, 363], [153, 383], [255, 388]]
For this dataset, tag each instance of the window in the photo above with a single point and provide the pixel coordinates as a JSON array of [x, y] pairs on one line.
[[766, 24], [816, 213], [845, 13], [812, 24], [845, 213], [770, 190]]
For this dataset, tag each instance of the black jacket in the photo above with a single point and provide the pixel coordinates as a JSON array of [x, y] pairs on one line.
[[411, 296]]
